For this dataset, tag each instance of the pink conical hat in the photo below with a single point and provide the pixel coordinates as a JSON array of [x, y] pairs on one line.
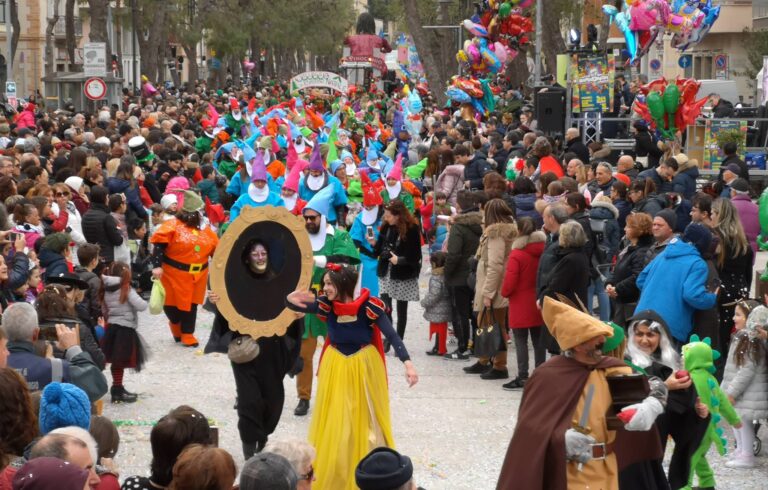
[[397, 170], [292, 181], [292, 156]]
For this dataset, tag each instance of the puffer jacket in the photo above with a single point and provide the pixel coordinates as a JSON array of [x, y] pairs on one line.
[[629, 265], [684, 181], [748, 384], [451, 181], [525, 206], [54, 264], [476, 170], [462, 242], [118, 186], [437, 302], [519, 286], [123, 314], [492, 255], [674, 285], [100, 227]]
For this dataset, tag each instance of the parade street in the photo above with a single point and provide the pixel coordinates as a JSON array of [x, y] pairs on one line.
[[454, 426]]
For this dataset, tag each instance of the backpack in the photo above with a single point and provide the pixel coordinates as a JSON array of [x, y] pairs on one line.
[[602, 250]]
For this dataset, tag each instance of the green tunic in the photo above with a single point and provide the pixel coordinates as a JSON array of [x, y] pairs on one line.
[[340, 243], [404, 196], [203, 145]]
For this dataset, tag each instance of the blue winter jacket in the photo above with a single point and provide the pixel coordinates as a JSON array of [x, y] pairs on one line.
[[684, 183], [117, 186], [673, 285], [525, 205]]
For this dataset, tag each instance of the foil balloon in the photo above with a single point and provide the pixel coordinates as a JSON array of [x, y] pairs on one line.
[[457, 95], [475, 29], [622, 21]]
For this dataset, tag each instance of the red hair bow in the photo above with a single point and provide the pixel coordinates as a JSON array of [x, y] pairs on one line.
[[333, 267]]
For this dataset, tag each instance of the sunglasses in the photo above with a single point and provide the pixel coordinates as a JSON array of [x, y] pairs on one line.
[[62, 194], [311, 218]]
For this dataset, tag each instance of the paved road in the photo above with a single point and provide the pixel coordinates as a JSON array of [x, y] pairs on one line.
[[455, 427]]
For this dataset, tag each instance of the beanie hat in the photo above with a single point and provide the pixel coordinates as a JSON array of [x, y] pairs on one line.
[[669, 216], [335, 165], [168, 200], [62, 405], [740, 186], [732, 167], [57, 242], [268, 470], [258, 167], [699, 236], [46, 472], [383, 468], [74, 183], [192, 202]]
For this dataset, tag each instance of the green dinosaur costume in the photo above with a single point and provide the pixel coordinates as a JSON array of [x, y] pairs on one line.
[[699, 362]]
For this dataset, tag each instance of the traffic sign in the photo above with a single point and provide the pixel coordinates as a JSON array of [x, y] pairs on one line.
[[721, 61], [95, 59], [655, 64], [10, 88], [95, 88], [685, 61]]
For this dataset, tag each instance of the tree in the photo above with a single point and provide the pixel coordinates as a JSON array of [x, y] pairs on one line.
[[16, 26], [756, 43], [49, 54], [152, 19], [98, 34], [69, 31]]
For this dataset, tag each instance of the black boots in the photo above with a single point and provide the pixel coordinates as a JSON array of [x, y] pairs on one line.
[[118, 394], [302, 408]]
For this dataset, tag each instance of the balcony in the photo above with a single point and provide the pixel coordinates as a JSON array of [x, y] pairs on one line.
[[59, 30]]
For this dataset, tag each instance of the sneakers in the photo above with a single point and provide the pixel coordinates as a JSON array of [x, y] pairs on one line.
[[476, 368], [495, 374], [119, 395], [302, 408], [741, 461], [515, 384], [456, 355]]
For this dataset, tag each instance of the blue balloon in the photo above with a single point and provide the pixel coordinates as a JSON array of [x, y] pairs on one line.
[[458, 95], [622, 20]]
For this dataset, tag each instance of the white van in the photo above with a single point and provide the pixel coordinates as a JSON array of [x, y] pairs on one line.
[[725, 88]]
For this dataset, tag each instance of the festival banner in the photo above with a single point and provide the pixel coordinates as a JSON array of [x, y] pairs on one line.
[[713, 154], [593, 78], [319, 79]]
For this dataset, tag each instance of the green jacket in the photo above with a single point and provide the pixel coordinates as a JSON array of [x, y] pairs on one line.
[[338, 247], [463, 241], [203, 145]]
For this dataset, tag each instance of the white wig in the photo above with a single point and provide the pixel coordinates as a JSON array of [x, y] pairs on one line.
[[665, 354]]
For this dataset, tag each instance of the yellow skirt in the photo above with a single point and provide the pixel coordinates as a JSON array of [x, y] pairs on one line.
[[351, 415]]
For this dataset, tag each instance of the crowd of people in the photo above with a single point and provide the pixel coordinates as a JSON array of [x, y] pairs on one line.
[[94, 208]]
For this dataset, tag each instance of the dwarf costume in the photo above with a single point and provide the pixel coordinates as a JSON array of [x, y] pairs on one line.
[[328, 245], [397, 191], [256, 197], [367, 224], [554, 401], [311, 185], [183, 252], [293, 203]]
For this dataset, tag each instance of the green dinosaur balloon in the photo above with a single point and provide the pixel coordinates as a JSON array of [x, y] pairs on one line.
[[762, 238]]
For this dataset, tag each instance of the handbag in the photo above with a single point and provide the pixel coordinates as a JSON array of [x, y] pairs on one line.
[[489, 337], [156, 298], [243, 349]]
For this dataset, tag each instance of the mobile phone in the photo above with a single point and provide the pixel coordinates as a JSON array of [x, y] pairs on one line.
[[369, 231], [13, 236]]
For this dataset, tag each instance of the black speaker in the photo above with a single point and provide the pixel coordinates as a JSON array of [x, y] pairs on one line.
[[550, 111]]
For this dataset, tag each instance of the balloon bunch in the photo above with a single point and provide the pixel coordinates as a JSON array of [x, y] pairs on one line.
[[670, 106], [248, 65], [644, 21], [412, 106], [498, 30], [479, 93]]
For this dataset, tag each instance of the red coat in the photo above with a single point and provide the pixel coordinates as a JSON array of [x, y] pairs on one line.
[[550, 164], [519, 285]]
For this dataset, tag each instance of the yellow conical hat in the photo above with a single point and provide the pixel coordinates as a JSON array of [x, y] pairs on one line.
[[569, 326]]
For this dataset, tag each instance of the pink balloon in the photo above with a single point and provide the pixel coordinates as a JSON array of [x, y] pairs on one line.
[[473, 52], [249, 65], [642, 18], [524, 4], [500, 51]]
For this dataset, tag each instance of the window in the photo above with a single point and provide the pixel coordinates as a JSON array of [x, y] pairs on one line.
[[2, 11]]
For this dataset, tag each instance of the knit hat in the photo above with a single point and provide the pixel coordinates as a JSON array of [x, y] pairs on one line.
[[569, 326], [699, 236], [258, 168], [383, 469], [268, 471], [168, 200], [397, 169], [292, 181], [371, 195], [192, 202], [74, 183], [669, 216], [321, 201], [316, 160], [62, 405], [57, 242], [740, 186], [733, 167], [48, 473]]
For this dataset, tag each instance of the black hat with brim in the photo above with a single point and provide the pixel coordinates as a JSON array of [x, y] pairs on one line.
[[68, 279]]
